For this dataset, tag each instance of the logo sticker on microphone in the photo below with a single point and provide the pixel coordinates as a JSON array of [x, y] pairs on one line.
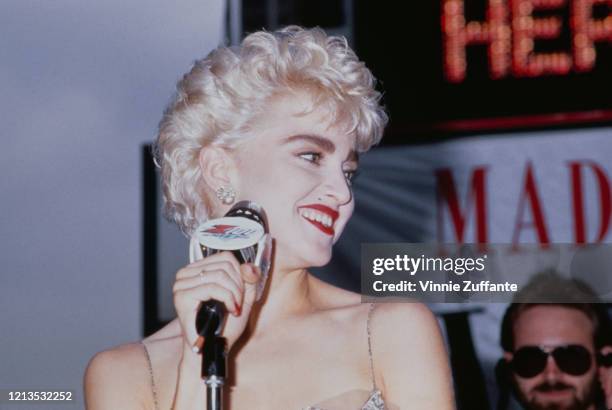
[[229, 233]]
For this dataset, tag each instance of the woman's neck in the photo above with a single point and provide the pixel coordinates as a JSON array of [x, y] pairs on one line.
[[287, 294]]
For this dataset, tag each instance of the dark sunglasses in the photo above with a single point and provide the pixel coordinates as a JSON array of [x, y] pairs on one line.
[[529, 361]]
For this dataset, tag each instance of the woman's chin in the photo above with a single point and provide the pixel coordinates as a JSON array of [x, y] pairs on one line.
[[320, 264], [311, 259], [321, 259]]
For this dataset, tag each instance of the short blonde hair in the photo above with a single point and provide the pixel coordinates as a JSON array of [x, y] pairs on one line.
[[225, 92]]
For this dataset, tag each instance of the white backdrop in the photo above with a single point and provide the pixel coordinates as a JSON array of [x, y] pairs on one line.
[[83, 85]]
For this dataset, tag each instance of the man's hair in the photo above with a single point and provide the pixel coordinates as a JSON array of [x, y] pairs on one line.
[[551, 289]]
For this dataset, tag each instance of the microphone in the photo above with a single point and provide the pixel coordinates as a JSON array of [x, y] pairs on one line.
[[244, 232]]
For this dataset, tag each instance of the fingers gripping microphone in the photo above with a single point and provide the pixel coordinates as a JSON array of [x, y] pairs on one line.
[[244, 232]]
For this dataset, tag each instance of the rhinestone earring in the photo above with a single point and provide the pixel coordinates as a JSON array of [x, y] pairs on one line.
[[227, 195]]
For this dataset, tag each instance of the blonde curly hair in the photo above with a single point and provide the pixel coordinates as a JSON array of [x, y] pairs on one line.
[[223, 93]]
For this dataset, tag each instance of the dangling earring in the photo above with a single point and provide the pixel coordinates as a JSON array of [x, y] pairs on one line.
[[227, 195]]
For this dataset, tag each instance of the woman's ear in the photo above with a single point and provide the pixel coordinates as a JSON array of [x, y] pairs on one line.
[[218, 168]]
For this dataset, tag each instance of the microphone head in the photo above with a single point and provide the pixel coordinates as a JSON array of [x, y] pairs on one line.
[[242, 227], [251, 210], [244, 232]]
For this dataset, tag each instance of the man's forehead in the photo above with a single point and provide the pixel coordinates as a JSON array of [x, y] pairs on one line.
[[552, 325]]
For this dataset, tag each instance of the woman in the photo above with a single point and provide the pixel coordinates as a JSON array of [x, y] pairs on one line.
[[279, 121]]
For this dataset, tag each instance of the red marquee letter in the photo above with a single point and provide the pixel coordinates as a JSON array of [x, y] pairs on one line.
[[530, 193], [587, 31], [577, 196], [525, 29], [458, 35], [446, 192]]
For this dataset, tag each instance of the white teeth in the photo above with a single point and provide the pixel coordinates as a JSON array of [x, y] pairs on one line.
[[317, 216]]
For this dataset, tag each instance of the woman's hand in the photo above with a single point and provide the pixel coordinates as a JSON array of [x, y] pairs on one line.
[[219, 277]]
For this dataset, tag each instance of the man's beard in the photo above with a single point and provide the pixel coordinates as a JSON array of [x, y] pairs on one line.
[[575, 404]]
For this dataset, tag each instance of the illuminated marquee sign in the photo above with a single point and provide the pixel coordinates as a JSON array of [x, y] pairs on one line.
[[450, 66], [511, 30]]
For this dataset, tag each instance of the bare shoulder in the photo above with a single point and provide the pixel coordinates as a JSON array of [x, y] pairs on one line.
[[412, 320], [121, 377], [331, 297], [410, 357], [400, 320], [407, 328], [117, 378]]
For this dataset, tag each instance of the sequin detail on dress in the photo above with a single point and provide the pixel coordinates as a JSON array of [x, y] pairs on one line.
[[375, 402]]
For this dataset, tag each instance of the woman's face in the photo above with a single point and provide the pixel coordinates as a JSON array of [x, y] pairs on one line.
[[298, 168]]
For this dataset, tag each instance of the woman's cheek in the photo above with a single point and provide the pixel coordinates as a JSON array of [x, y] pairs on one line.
[[346, 212]]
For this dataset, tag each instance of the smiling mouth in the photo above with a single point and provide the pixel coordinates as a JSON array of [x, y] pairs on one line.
[[321, 217]]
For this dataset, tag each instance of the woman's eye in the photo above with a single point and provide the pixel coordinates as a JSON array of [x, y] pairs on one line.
[[313, 157]]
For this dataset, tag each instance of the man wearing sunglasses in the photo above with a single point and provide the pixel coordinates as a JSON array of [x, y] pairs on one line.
[[551, 349]]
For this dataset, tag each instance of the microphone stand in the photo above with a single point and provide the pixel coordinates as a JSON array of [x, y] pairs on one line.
[[209, 322], [211, 314], [214, 369]]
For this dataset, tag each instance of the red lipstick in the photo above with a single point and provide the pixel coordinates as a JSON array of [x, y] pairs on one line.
[[325, 209], [328, 230]]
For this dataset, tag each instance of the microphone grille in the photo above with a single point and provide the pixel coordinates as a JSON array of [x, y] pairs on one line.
[[250, 210]]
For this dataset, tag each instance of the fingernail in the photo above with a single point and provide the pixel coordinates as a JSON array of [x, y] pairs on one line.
[[238, 309], [254, 269], [197, 346]]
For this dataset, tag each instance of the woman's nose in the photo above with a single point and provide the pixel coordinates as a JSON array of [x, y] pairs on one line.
[[338, 187]]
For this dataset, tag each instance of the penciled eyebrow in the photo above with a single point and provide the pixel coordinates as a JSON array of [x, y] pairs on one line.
[[323, 143]]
